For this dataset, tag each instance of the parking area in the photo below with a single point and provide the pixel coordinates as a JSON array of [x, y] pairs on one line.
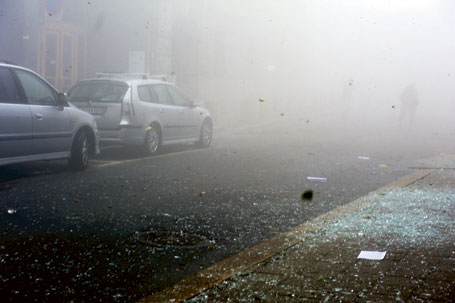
[[111, 154]]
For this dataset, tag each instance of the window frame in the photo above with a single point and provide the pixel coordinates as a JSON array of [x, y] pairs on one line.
[[151, 92], [169, 90], [22, 90], [22, 99], [164, 86]]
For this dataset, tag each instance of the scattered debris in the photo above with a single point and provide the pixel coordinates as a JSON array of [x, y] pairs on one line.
[[382, 165], [11, 211], [393, 106], [73, 217], [307, 195], [282, 114], [202, 193], [163, 239], [363, 158], [261, 100], [371, 255], [317, 179]]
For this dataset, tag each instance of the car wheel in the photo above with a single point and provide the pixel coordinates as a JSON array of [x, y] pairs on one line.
[[80, 152], [206, 134], [152, 141]]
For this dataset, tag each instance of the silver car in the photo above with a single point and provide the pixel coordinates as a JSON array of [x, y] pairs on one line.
[[142, 111], [36, 122]]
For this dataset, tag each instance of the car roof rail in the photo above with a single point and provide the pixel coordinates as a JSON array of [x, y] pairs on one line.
[[134, 76]]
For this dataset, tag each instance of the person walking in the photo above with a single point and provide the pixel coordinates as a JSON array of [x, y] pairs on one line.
[[409, 102]]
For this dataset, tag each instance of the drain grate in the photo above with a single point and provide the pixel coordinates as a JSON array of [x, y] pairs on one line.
[[171, 239]]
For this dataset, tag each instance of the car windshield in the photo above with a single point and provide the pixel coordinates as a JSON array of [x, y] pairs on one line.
[[98, 92]]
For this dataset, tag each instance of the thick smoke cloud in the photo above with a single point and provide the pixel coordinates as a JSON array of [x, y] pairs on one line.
[[330, 63]]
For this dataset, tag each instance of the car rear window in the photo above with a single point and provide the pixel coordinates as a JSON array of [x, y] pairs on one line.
[[98, 92]]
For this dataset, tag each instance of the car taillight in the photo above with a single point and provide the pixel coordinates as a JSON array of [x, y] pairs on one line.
[[127, 105], [127, 110]]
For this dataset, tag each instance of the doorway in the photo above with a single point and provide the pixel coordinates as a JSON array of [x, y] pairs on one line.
[[62, 54]]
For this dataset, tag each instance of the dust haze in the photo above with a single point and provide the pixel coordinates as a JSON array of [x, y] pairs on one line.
[[341, 66]]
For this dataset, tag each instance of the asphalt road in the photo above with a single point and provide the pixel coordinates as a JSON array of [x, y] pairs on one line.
[[131, 224]]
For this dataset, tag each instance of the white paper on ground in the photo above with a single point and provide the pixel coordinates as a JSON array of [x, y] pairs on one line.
[[363, 158], [317, 179], [371, 255]]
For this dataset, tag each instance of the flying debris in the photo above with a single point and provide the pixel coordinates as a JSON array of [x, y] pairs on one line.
[[307, 195]]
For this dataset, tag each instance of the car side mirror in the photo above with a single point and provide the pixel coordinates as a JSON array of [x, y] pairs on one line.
[[197, 103], [61, 99]]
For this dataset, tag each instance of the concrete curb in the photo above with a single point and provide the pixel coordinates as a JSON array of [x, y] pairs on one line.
[[263, 251]]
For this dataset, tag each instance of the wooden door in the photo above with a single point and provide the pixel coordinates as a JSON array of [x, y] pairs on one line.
[[59, 54]]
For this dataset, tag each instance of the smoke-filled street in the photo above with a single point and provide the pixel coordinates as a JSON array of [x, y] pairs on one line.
[[132, 225], [146, 144]]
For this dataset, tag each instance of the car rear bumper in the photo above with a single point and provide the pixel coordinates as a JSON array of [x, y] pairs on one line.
[[128, 136]]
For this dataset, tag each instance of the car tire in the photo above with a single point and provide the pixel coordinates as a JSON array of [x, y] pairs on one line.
[[152, 140], [80, 152], [205, 137]]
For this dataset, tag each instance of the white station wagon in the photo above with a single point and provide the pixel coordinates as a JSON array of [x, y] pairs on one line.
[[139, 110]]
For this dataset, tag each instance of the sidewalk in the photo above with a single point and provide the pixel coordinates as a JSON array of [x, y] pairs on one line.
[[412, 220]]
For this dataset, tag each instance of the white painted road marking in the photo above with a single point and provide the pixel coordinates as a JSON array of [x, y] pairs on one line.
[[150, 157]]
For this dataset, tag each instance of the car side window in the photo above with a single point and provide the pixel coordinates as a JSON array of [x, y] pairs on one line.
[[162, 94], [177, 97], [36, 90], [147, 94], [8, 88]]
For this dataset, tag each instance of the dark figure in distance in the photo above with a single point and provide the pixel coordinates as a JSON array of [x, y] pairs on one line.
[[409, 102]]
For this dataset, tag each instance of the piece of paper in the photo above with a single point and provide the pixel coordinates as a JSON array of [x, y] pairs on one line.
[[363, 158], [317, 179], [371, 255]]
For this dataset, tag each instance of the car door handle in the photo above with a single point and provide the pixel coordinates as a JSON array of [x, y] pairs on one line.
[[162, 110], [39, 116]]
